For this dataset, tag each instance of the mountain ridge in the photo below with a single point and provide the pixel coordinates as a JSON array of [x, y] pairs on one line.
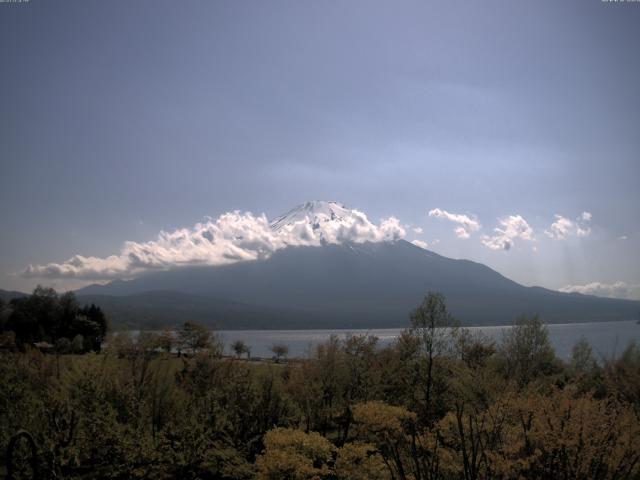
[[323, 265], [367, 285], [8, 295]]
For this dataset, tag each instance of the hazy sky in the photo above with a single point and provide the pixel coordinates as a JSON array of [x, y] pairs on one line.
[[121, 119]]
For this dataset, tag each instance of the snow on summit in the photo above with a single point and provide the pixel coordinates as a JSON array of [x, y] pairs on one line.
[[319, 222], [230, 238], [314, 212]]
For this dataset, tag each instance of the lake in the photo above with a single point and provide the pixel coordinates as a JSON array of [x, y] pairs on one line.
[[606, 338]]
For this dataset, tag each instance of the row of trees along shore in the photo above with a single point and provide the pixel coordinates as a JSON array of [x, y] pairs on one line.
[[58, 324], [438, 403]]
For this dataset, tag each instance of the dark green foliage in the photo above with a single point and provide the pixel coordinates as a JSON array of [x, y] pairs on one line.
[[240, 348], [47, 316], [527, 352], [280, 350], [22, 456], [193, 337]]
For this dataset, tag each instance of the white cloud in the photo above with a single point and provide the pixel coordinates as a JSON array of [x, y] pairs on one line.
[[418, 230], [512, 227], [612, 290], [420, 243], [564, 227], [623, 237], [560, 228], [467, 225], [232, 237], [462, 232]]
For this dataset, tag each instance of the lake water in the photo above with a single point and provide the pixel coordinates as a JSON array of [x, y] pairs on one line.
[[606, 338]]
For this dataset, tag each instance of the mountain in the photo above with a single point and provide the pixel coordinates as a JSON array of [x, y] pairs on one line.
[[7, 295], [350, 284], [316, 213], [156, 309]]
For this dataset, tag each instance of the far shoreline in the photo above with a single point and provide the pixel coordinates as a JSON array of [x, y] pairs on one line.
[[349, 329]]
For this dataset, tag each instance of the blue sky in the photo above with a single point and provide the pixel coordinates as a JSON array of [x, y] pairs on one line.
[[122, 119]]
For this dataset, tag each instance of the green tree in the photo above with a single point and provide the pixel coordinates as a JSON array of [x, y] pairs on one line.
[[63, 345], [240, 348], [582, 360], [97, 331], [280, 350], [474, 350], [5, 312], [193, 337], [526, 350], [77, 344], [67, 311], [47, 316]]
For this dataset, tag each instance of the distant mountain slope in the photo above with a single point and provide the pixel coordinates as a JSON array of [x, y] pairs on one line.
[[7, 295], [156, 309], [351, 285]]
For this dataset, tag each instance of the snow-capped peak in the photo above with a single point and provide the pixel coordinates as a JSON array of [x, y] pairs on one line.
[[321, 222], [315, 213]]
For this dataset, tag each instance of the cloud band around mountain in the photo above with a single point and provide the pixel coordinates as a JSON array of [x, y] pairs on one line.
[[235, 237], [231, 238], [628, 291]]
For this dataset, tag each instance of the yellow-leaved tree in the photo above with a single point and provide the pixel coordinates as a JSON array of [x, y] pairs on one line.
[[291, 454]]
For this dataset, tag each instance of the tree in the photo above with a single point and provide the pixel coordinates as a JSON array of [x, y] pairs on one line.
[[67, 312], [100, 324], [4, 314], [47, 316], [474, 350], [77, 344], [294, 455], [280, 350], [193, 337], [240, 348], [44, 303], [8, 339], [527, 351], [360, 362], [89, 329], [582, 361], [387, 427], [321, 384], [63, 345], [623, 376], [360, 461], [557, 435], [435, 330], [166, 339]]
